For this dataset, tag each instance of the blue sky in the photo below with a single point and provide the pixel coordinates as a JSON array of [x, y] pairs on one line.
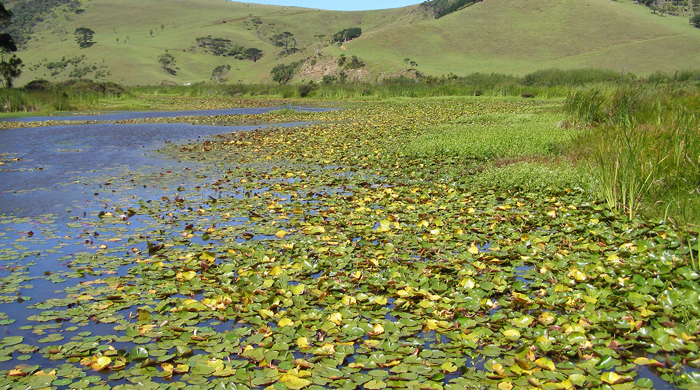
[[339, 5]]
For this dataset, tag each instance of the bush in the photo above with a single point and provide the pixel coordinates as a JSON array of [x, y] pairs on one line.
[[347, 34], [283, 73], [38, 85], [695, 20], [305, 89]]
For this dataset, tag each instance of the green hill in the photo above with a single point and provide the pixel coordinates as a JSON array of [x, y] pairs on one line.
[[506, 36]]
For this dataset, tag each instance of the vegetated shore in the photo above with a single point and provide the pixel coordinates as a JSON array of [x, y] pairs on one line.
[[380, 245]]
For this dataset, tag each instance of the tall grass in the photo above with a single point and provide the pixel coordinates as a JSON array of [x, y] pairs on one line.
[[549, 83], [644, 148]]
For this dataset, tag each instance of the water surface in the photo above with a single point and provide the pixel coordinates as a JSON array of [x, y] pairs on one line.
[[119, 116]]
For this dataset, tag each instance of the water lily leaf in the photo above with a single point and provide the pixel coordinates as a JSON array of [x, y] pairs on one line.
[[275, 271], [208, 256], [374, 385], [224, 372], [186, 276], [12, 340], [613, 378], [546, 318], [101, 363], [297, 289], [491, 351], [545, 363], [511, 334], [377, 329], [313, 230], [336, 318], [285, 322], [294, 382], [522, 321], [505, 386], [642, 361], [138, 353], [325, 350], [302, 342], [449, 367]]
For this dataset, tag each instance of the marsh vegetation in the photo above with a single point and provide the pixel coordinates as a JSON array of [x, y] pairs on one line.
[[433, 242]]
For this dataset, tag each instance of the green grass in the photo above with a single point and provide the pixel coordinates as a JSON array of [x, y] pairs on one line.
[[644, 150], [491, 136], [491, 36]]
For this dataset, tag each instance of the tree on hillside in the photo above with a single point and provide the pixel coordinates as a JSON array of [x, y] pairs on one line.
[[283, 73], [253, 54], [347, 34], [219, 72], [5, 15], [285, 40], [83, 36], [167, 63], [10, 68]]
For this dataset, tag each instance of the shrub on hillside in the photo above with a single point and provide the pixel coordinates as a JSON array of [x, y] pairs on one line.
[[347, 34], [695, 20]]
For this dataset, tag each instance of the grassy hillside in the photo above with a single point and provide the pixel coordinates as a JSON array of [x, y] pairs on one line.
[[522, 36], [506, 36]]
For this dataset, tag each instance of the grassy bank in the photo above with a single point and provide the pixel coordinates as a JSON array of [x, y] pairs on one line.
[[85, 95]]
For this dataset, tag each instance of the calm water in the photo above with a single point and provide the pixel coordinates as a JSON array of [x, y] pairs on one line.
[[42, 164], [118, 116]]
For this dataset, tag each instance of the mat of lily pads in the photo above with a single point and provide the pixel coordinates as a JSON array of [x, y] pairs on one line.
[[324, 257]]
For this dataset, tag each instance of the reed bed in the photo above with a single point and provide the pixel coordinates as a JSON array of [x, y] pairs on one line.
[[644, 151]]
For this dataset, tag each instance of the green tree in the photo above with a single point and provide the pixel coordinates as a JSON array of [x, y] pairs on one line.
[[167, 63], [285, 40], [253, 54], [10, 68], [219, 72], [354, 63], [695, 20], [7, 44], [83, 36], [283, 73], [5, 15], [347, 34]]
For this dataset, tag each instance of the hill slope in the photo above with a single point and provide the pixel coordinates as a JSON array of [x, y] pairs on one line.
[[508, 36]]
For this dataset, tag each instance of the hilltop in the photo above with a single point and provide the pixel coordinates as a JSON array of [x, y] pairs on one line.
[[505, 36]]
